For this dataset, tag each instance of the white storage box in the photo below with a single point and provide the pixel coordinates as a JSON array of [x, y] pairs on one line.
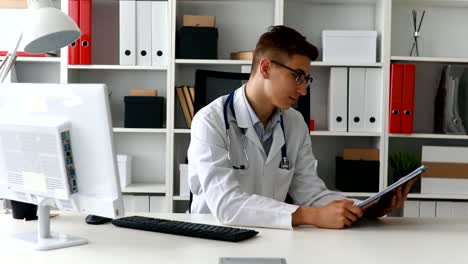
[[125, 169], [349, 46], [184, 189]]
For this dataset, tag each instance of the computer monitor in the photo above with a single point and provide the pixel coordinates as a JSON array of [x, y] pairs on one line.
[[56, 151]]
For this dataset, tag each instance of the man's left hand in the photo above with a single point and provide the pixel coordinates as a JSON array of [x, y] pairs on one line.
[[389, 202]]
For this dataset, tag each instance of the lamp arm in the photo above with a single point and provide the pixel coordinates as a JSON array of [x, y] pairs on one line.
[[10, 59]]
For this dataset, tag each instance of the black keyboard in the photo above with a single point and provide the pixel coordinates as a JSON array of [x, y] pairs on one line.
[[185, 228]]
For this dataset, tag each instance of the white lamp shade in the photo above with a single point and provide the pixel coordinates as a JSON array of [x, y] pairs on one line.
[[49, 29]]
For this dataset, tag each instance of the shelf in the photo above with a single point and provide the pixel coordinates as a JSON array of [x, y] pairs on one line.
[[438, 196], [434, 136], [139, 130], [181, 198], [117, 67], [219, 1], [182, 131], [346, 134], [145, 188], [429, 59], [213, 62], [36, 59], [248, 62], [334, 2], [434, 3], [345, 64]]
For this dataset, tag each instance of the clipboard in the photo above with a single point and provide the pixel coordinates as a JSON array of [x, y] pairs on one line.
[[395, 185]]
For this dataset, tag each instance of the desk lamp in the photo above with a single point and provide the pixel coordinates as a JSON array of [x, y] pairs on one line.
[[47, 29]]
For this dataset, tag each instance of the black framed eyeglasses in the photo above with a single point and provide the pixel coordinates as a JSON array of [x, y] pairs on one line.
[[300, 76]]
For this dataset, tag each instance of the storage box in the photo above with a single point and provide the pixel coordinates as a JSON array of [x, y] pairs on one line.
[[125, 169], [242, 55], [144, 111], [448, 170], [360, 154], [184, 189], [197, 43], [349, 46], [13, 4], [143, 92], [357, 175], [198, 21]]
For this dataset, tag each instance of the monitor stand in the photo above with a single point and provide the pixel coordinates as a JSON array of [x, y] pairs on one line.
[[44, 239]]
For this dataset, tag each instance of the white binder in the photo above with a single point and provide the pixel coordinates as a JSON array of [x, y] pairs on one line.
[[338, 99], [160, 33], [143, 29], [356, 91], [127, 18], [373, 99]]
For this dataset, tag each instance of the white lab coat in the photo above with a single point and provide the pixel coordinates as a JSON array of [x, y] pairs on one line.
[[254, 196]]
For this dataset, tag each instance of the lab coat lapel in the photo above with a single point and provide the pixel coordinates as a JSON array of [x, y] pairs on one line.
[[244, 120]]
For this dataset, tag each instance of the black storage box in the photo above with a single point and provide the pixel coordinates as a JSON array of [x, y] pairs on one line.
[[197, 43], [357, 175], [144, 111]]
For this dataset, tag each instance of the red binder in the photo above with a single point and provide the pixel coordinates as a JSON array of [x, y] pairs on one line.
[[407, 104], [396, 86], [73, 49], [85, 27]]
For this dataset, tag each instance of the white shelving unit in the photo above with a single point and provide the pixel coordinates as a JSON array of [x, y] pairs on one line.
[[146, 188], [139, 130], [441, 45], [429, 59], [157, 153]]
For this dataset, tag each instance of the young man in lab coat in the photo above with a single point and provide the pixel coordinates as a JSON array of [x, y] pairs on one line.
[[237, 174]]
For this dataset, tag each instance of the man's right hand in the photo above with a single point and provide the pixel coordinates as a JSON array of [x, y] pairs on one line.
[[336, 215]]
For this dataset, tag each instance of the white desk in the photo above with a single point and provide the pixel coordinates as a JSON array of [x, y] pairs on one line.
[[389, 240]]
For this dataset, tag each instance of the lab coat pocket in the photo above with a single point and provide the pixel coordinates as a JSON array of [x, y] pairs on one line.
[[282, 182]]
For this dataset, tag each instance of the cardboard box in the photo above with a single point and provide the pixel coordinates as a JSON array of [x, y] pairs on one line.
[[360, 154], [143, 92], [13, 4], [242, 55], [446, 170], [199, 21]]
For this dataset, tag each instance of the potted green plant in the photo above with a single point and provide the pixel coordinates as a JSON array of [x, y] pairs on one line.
[[402, 163]]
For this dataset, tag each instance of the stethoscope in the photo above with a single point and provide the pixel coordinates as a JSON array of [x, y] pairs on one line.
[[284, 163]]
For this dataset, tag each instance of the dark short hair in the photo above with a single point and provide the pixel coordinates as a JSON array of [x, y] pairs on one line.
[[282, 40]]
